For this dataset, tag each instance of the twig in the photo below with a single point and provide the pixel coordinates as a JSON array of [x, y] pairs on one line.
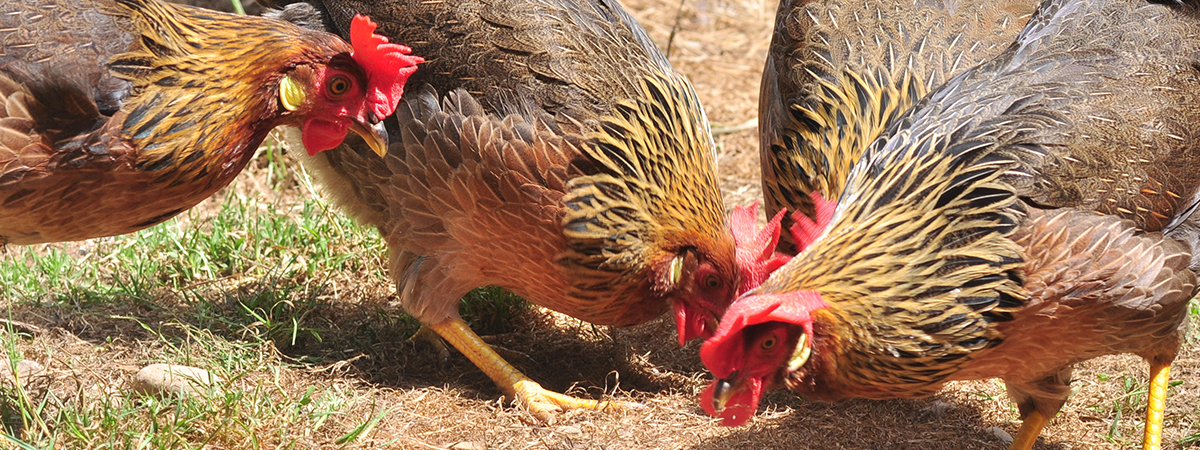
[[27, 328], [730, 129], [674, 28]]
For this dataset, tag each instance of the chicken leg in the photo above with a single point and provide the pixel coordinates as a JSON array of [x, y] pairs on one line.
[[1031, 428], [543, 404], [1155, 405]]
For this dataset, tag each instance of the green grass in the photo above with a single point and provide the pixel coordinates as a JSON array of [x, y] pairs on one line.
[[246, 239], [250, 409], [233, 290]]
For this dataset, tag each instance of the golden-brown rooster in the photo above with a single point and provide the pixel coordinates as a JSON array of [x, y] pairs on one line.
[[119, 114], [549, 148], [1036, 211], [838, 72]]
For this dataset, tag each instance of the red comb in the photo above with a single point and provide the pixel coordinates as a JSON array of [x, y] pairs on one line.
[[793, 307], [804, 230], [388, 66], [756, 255], [721, 351]]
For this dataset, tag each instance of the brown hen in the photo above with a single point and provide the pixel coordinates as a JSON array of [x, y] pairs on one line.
[[838, 73], [548, 148], [1036, 211], [116, 115]]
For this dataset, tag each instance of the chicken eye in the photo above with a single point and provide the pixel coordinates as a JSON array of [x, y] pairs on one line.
[[768, 343], [712, 282], [339, 85]]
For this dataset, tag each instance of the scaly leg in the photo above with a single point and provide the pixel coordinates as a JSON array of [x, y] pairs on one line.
[[1155, 405], [541, 403], [1031, 428]]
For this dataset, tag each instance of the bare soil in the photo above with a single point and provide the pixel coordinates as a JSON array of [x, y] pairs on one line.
[[720, 45]]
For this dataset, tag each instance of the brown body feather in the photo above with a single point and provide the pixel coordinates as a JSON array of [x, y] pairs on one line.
[[570, 164], [840, 71], [155, 108], [550, 149], [1026, 216]]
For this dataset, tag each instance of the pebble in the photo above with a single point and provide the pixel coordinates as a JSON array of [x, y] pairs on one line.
[[1001, 434], [25, 369], [161, 379]]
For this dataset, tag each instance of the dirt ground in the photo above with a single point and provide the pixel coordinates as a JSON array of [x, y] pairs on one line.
[[721, 46]]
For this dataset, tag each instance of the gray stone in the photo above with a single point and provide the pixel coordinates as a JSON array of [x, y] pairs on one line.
[[163, 379], [1001, 434]]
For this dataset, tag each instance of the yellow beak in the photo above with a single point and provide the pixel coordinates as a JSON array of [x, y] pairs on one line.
[[375, 135]]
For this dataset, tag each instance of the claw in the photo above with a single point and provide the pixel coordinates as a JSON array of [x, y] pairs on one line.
[[546, 405], [428, 336]]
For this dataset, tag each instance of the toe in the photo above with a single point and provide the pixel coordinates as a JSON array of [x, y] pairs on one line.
[[546, 405]]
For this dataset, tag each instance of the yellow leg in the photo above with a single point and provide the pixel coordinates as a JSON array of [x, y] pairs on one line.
[[1155, 405], [541, 403], [1031, 428]]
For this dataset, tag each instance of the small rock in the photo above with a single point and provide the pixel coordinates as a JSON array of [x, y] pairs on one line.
[[939, 408], [25, 369], [160, 379], [468, 446], [569, 430], [1001, 434]]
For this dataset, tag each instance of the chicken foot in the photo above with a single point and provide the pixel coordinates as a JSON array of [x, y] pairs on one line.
[[541, 403], [427, 335]]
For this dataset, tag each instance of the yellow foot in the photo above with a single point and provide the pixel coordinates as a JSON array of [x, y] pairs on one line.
[[546, 405], [1155, 405], [427, 335]]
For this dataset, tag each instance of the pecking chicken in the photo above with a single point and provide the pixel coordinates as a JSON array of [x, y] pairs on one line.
[[1034, 212], [119, 114], [548, 148], [839, 71]]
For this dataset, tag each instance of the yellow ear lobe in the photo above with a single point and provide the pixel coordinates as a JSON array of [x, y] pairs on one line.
[[676, 270], [290, 93], [801, 354]]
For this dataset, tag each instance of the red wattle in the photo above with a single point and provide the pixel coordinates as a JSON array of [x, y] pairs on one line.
[[690, 325], [321, 135], [741, 405]]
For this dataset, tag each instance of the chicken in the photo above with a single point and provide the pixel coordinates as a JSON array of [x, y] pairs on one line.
[[546, 147], [838, 72], [119, 114], [1034, 212]]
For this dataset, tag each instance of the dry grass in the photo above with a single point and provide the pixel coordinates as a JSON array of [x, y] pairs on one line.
[[344, 376]]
